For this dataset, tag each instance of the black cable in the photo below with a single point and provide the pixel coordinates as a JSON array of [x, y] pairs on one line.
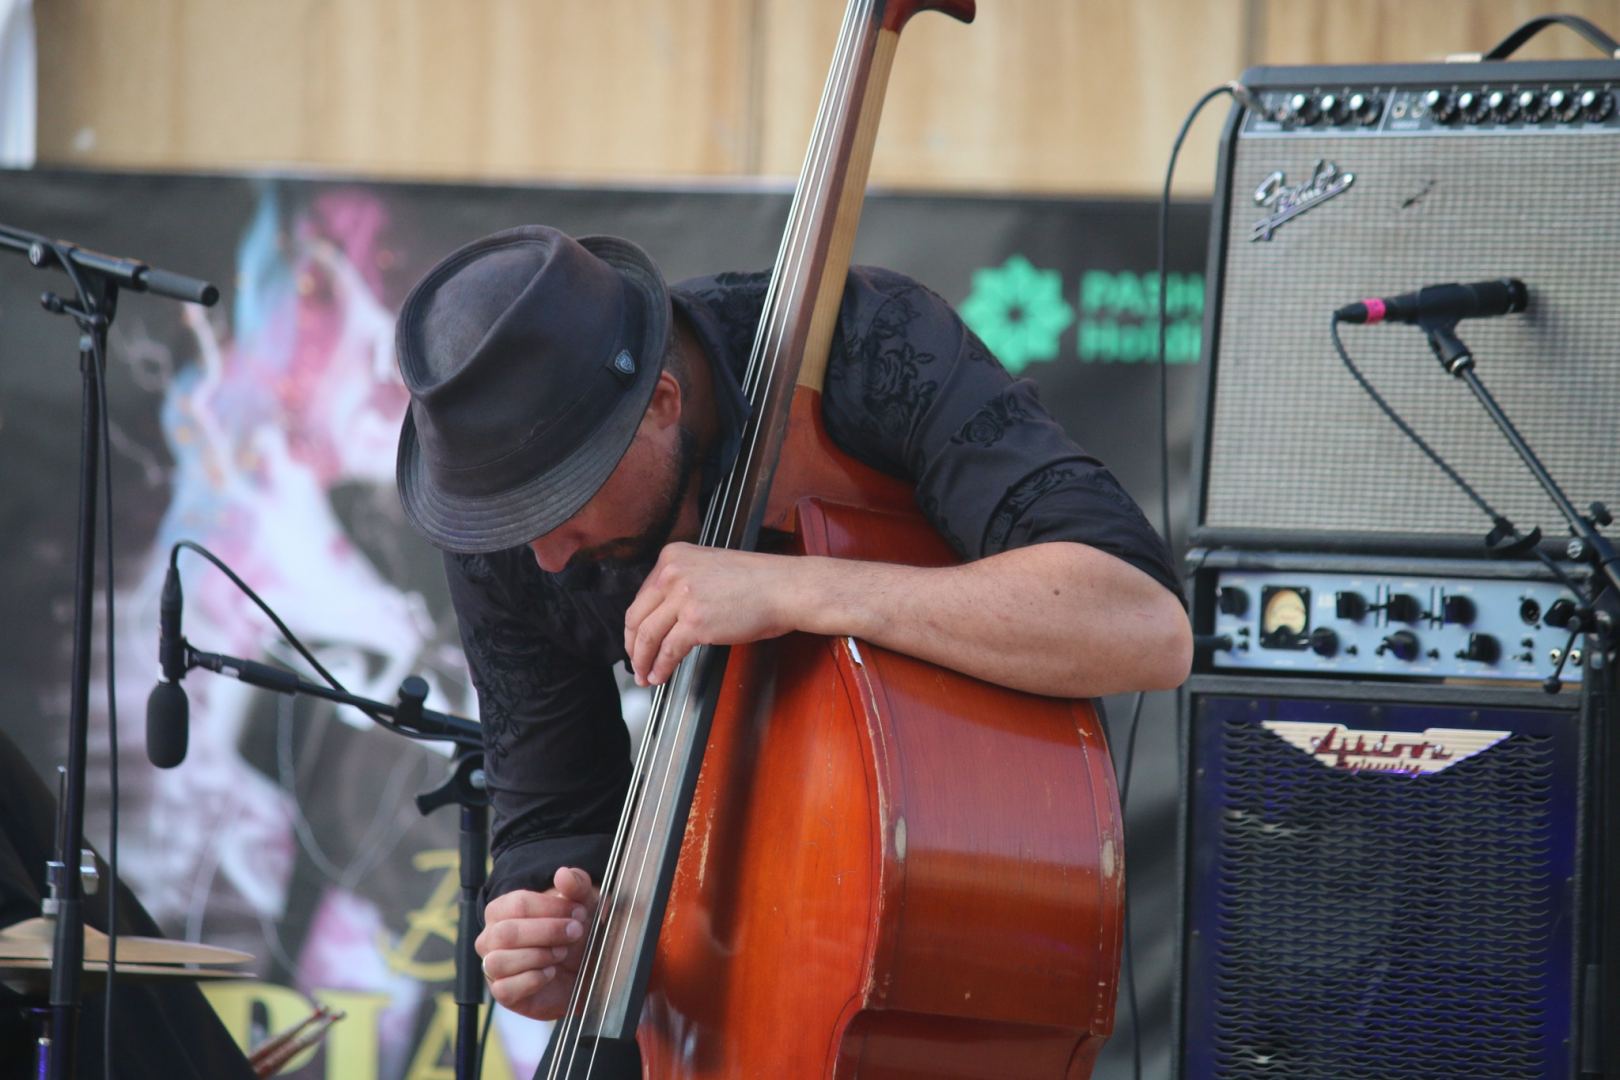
[[1406, 429], [1130, 748], [1237, 90], [289, 636], [1129, 958], [1507, 528], [483, 1040], [1164, 305]]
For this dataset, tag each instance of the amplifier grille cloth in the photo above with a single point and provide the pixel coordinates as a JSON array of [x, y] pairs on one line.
[[1296, 444], [1377, 927]]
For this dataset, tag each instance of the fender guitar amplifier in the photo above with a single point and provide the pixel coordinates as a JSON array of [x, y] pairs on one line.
[[1398, 848], [1358, 182]]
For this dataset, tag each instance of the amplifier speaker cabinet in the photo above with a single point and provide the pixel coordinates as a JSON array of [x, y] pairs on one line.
[[1398, 849], [1390, 881], [1374, 181]]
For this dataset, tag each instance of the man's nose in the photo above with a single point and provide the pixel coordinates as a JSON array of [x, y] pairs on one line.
[[553, 550]]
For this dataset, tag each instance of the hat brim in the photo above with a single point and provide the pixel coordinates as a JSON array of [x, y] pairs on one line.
[[473, 525]]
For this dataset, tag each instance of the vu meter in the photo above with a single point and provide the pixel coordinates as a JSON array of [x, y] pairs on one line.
[[1284, 617]]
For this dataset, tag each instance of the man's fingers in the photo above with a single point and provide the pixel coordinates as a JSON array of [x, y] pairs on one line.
[[651, 594], [531, 933], [549, 1002], [514, 989], [649, 639], [574, 885], [676, 644], [525, 904], [506, 963]]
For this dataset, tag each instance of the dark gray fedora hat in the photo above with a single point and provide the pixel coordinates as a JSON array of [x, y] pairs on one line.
[[530, 358]]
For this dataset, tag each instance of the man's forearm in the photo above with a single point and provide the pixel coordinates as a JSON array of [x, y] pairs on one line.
[[1059, 618]]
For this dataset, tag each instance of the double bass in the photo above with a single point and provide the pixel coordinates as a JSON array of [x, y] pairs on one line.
[[836, 860]]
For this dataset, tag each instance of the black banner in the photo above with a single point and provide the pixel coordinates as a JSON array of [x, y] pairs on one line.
[[264, 429]]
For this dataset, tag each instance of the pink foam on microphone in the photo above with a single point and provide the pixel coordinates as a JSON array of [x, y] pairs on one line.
[[1375, 310]]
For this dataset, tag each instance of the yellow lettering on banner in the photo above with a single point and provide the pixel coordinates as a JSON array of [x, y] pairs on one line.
[[436, 1054], [351, 1043], [435, 919], [235, 1001]]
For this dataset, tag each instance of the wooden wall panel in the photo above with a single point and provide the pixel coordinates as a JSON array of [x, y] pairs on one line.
[[1393, 31], [474, 88], [1066, 96], [1034, 95]]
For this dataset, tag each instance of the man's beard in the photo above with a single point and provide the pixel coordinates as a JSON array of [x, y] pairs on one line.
[[622, 565]]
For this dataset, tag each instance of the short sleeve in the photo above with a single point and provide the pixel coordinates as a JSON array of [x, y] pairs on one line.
[[913, 391]]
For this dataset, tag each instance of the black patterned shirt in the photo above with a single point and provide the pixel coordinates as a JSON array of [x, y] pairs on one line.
[[909, 390]]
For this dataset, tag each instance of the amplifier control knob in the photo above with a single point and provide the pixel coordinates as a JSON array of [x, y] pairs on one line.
[[1560, 612], [1324, 642], [1473, 106], [1564, 105], [1334, 110], [1350, 605], [1440, 105], [1533, 106], [1481, 647], [1365, 109], [1502, 106], [1303, 109], [1403, 607], [1231, 600], [1403, 643], [1597, 105], [1459, 610]]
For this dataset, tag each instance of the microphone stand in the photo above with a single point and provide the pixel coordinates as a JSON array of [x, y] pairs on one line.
[[96, 280], [465, 786], [1599, 614]]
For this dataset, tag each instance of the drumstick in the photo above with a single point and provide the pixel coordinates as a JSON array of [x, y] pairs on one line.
[[270, 1056]]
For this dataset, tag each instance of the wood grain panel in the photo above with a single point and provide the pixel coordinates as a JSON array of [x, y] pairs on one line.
[[478, 88], [1395, 31], [1035, 95], [1069, 96]]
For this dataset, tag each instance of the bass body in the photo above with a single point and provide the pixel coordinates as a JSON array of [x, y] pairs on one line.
[[890, 869]]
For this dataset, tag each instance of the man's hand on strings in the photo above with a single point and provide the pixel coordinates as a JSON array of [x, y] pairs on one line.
[[708, 596], [533, 941]]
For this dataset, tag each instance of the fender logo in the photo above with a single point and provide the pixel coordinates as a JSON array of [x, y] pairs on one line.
[[1287, 203]]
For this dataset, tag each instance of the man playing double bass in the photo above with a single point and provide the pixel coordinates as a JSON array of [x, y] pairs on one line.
[[571, 415]]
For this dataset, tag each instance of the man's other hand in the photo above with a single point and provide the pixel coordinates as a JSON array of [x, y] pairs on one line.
[[533, 941]]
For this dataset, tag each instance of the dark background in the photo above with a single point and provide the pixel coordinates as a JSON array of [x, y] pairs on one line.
[[195, 224]]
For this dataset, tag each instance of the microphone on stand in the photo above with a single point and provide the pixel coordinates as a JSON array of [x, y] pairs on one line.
[[1503, 296], [167, 709]]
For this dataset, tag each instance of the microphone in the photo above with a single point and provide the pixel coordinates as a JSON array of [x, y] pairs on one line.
[[167, 710], [1503, 296]]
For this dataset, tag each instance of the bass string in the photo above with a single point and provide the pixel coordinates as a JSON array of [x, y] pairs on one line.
[[764, 365], [823, 149], [844, 57], [660, 801]]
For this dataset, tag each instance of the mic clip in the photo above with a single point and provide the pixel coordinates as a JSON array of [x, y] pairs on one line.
[[1496, 549], [1447, 347]]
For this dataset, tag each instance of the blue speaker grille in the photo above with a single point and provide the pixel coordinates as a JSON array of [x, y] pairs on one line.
[[1368, 925]]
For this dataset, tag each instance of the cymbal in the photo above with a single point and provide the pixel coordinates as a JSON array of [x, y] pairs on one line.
[[32, 978], [32, 940]]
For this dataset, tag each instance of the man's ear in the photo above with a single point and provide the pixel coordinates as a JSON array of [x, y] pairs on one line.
[[665, 407]]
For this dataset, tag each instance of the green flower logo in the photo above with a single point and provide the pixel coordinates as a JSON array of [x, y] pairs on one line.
[[1018, 311]]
